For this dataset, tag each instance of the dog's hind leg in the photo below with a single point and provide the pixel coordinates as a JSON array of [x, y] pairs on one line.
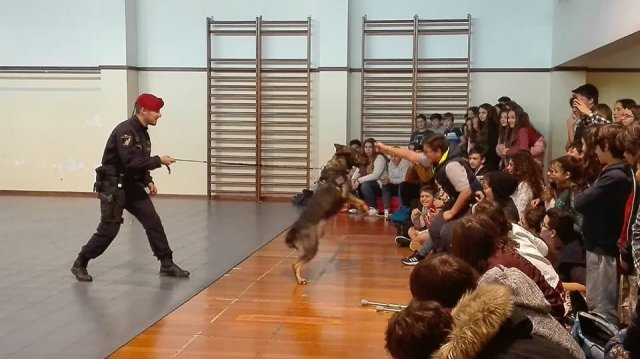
[[307, 247], [297, 266]]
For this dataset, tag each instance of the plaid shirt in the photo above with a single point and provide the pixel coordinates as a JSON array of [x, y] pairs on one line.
[[587, 121]]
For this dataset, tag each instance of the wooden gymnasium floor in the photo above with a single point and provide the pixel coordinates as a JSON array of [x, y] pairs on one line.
[[257, 310]]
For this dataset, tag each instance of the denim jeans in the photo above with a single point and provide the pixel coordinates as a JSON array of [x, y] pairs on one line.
[[388, 191], [370, 190]]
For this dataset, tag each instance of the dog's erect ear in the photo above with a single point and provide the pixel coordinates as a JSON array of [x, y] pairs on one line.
[[342, 148]]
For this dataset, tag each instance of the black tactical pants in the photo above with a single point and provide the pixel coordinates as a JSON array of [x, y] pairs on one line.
[[133, 198]]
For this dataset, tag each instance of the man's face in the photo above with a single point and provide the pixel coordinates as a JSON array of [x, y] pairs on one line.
[[421, 124], [475, 161], [150, 118], [447, 122], [584, 100], [433, 156]]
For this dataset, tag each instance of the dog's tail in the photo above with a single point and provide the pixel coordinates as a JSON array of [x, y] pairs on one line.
[[290, 239]]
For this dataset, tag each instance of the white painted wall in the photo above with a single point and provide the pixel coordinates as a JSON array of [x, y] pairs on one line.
[[62, 33], [505, 33], [170, 33], [581, 26], [51, 132], [616, 85], [562, 82]]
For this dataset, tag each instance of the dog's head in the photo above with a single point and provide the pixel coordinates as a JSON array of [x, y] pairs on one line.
[[345, 158]]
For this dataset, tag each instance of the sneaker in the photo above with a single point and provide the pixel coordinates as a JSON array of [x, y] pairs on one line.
[[415, 246], [402, 241], [412, 259], [373, 211]]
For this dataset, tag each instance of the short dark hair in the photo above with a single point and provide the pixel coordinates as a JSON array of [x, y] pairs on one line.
[[504, 99], [355, 142], [429, 189], [478, 149], [473, 240], [421, 116], [418, 330], [436, 142], [604, 110], [626, 102], [607, 137], [587, 90], [370, 140], [571, 165], [563, 223], [534, 216], [629, 139], [448, 115], [443, 278], [436, 116], [496, 213]]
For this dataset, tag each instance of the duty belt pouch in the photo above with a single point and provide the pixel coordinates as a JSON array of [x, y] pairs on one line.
[[112, 201], [98, 186]]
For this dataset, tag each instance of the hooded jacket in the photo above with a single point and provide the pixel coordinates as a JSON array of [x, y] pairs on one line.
[[485, 325], [603, 205], [529, 299]]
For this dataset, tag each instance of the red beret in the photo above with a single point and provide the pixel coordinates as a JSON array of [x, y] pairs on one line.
[[150, 102]]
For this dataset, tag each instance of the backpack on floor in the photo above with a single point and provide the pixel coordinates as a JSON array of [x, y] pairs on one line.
[[593, 331], [401, 215]]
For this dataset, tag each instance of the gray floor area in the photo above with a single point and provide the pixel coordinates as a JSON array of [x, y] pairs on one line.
[[46, 313]]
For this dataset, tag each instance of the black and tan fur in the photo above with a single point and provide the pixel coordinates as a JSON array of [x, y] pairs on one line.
[[334, 190]]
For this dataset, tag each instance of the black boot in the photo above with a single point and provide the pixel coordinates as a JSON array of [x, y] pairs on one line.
[[79, 269], [170, 269]]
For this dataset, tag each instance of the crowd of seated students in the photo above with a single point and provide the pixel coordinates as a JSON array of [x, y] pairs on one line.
[[480, 194]]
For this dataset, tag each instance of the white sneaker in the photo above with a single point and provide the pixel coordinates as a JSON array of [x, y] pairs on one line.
[[373, 211]]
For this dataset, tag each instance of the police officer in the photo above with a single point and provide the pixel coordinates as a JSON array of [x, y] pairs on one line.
[[121, 182]]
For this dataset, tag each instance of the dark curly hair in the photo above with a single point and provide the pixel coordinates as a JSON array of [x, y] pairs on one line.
[[526, 169]]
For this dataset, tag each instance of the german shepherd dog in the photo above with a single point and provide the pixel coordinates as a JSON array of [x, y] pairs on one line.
[[334, 190]]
